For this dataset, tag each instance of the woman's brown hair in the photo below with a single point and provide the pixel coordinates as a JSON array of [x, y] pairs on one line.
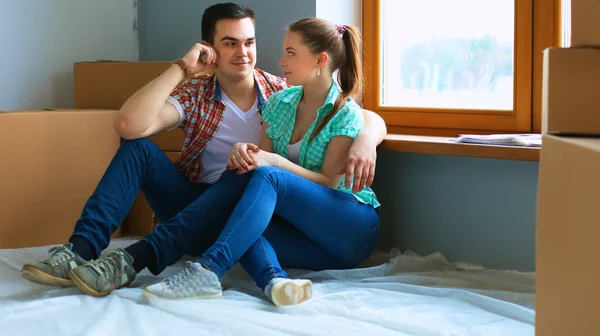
[[342, 44]]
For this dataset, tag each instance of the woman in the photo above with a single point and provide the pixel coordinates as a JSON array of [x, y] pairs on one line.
[[307, 131]]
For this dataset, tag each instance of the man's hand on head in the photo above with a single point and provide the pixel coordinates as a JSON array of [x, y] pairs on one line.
[[200, 57]]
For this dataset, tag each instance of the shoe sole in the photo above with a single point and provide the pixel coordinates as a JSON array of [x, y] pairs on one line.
[[35, 275], [291, 292], [209, 296], [85, 288]]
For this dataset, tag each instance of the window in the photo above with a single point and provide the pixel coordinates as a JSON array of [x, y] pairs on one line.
[[442, 67]]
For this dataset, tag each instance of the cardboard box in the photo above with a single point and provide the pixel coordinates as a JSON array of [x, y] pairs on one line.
[[567, 237], [109, 84], [171, 141], [51, 163], [139, 220], [585, 27], [571, 91]]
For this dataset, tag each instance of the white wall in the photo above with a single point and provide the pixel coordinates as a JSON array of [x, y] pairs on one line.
[[40, 40], [348, 12]]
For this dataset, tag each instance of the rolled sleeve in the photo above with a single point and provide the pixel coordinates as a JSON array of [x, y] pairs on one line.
[[349, 121], [179, 109], [185, 100]]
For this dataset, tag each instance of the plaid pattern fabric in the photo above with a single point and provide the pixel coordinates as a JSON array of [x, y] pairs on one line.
[[203, 110], [280, 114]]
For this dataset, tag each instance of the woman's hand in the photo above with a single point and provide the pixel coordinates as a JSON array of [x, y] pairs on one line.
[[239, 157], [262, 158]]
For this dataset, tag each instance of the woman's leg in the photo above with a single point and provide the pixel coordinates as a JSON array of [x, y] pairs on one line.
[[340, 232], [344, 228], [284, 244], [295, 250]]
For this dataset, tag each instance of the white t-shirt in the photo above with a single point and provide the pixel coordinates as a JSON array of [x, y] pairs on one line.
[[236, 126], [294, 152]]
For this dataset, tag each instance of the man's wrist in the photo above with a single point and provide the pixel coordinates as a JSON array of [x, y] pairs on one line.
[[184, 66], [178, 70]]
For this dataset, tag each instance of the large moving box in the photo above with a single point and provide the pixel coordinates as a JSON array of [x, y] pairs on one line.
[[51, 163], [568, 233], [107, 85], [585, 27], [571, 91]]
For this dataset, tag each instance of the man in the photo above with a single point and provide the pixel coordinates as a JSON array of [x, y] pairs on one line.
[[215, 112]]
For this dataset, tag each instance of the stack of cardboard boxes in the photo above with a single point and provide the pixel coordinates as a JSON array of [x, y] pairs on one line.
[[568, 217], [54, 158]]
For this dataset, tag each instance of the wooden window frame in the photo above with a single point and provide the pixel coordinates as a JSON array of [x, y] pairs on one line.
[[537, 27]]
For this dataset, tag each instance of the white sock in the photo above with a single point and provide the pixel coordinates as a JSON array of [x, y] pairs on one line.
[[270, 286], [286, 292]]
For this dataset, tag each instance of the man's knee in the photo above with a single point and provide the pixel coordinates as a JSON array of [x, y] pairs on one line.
[[139, 145], [141, 142]]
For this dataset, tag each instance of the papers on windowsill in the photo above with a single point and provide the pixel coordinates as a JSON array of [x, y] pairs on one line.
[[526, 140]]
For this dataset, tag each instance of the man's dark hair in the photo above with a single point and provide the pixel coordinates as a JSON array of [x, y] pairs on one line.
[[214, 13]]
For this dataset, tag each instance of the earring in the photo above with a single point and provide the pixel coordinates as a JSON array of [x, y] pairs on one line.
[[318, 71]]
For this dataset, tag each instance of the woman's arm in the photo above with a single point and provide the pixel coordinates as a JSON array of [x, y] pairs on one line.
[[265, 143], [334, 160]]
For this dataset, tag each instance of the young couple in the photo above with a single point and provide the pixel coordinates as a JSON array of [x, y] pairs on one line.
[[284, 203]]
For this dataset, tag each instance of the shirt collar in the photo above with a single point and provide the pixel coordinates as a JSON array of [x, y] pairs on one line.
[[294, 96], [213, 91], [332, 96], [261, 91]]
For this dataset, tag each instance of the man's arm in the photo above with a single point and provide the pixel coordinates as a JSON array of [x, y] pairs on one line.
[[363, 153], [374, 127], [147, 111]]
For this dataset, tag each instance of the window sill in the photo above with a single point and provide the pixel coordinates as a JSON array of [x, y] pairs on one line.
[[446, 146]]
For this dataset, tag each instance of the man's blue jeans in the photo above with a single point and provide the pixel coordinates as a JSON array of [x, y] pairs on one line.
[[189, 223], [329, 228]]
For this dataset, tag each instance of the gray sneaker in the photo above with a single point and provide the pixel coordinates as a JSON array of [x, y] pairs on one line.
[[54, 271], [194, 282], [102, 276]]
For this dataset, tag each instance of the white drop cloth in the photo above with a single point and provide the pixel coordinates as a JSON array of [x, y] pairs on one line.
[[402, 295]]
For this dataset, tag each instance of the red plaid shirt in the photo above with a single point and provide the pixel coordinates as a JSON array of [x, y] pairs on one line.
[[203, 110]]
